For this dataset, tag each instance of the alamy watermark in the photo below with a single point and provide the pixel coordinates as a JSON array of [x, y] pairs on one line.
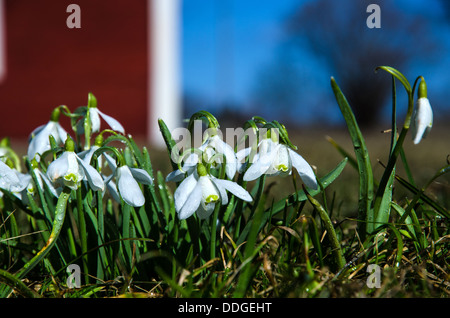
[[374, 19], [74, 279], [374, 279], [73, 21]]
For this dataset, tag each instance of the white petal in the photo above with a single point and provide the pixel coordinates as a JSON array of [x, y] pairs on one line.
[[112, 188], [256, 170], [192, 203], [223, 148], [58, 168], [282, 162], [209, 190], [141, 176], [263, 160], [36, 131], [222, 191], [205, 211], [60, 132], [93, 176], [87, 154], [75, 172], [243, 153], [111, 162], [43, 177], [113, 123], [25, 180], [304, 170], [95, 119], [422, 120], [240, 156], [40, 143], [183, 191], [234, 188], [175, 176], [129, 188], [8, 177]]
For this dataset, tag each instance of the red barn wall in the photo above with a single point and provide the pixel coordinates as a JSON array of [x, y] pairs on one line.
[[49, 64]]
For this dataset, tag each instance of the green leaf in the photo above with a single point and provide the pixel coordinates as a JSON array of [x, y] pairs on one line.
[[397, 75], [383, 204], [365, 208], [170, 143]]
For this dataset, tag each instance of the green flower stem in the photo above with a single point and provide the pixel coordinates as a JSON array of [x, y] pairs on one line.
[[337, 250], [214, 230], [58, 221], [82, 228]]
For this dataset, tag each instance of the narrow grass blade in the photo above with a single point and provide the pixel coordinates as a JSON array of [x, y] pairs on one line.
[[408, 221], [426, 199]]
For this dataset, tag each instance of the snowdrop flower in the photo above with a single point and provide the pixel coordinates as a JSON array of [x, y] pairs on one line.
[[200, 192], [95, 114], [127, 179], [422, 120], [278, 159], [213, 151], [71, 170], [9, 179], [42, 179], [27, 184], [39, 138]]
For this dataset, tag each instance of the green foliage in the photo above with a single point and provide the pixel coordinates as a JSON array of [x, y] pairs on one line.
[[295, 246]]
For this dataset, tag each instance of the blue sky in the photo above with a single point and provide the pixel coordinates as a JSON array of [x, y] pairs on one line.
[[228, 39], [227, 43]]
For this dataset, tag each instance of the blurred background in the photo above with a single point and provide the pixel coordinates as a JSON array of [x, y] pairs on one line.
[[150, 59], [275, 58]]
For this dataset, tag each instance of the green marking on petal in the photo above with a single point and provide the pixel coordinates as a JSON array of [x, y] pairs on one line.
[[211, 199], [282, 167], [71, 177]]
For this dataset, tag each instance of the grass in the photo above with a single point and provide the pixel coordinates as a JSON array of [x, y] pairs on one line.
[[289, 242]]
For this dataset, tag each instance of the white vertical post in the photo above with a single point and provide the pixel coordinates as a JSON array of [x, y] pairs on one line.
[[2, 41], [164, 93]]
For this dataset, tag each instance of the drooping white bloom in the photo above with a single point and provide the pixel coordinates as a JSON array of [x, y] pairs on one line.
[[278, 159], [422, 120], [126, 185], [95, 115], [39, 138], [71, 170], [9, 179], [201, 193]]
